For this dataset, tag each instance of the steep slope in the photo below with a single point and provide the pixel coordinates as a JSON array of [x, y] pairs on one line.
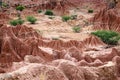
[[107, 20]]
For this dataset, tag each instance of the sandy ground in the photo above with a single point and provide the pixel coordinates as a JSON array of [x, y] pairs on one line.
[[56, 28]]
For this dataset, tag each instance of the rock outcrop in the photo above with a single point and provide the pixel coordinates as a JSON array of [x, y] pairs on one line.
[[4, 16], [24, 54], [13, 45], [16, 42], [35, 72], [107, 20]]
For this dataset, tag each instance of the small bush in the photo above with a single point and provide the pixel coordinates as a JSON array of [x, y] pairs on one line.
[[90, 11], [4, 5], [39, 11], [109, 37], [20, 8], [51, 17], [73, 17], [76, 29], [66, 18], [16, 22], [77, 8], [31, 19], [49, 12], [13, 22], [38, 31], [86, 22], [55, 38], [20, 21]]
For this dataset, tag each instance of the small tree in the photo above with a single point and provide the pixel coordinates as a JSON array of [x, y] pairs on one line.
[[31, 19]]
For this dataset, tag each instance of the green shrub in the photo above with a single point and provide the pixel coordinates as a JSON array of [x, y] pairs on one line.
[[51, 17], [66, 18], [31, 19], [55, 38], [90, 11], [38, 31], [109, 37], [76, 29], [86, 22], [16, 22], [13, 22], [49, 12], [77, 8], [20, 8], [39, 11], [20, 21], [4, 4]]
